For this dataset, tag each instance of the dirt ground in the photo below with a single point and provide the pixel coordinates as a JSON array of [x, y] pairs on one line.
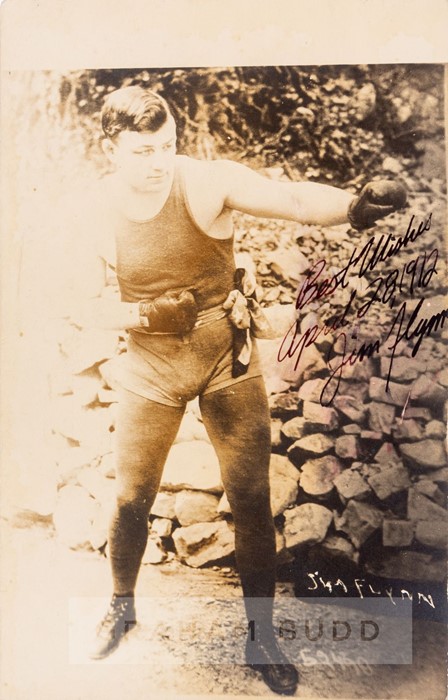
[[47, 589]]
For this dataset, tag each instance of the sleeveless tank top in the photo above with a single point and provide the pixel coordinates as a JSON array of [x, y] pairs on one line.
[[171, 253]]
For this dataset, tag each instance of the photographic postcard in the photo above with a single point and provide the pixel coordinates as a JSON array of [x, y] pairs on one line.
[[348, 329]]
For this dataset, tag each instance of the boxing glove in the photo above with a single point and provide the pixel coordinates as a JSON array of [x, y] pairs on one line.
[[376, 200], [172, 312]]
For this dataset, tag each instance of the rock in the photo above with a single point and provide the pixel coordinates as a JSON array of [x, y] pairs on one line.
[[110, 370], [350, 484], [388, 479], [87, 426], [276, 432], [357, 390], [429, 488], [386, 454], [86, 386], [191, 429], [73, 517], [432, 534], [289, 264], [154, 552], [283, 477], [195, 507], [392, 165], [346, 447], [359, 521], [350, 407], [162, 527], [427, 392], [89, 347], [362, 105], [163, 506], [106, 466], [107, 396], [435, 429], [204, 543], [224, 505], [407, 430], [339, 549], [294, 428], [397, 533], [98, 486], [403, 368], [317, 476], [308, 447], [284, 405], [319, 418], [381, 416], [360, 371], [351, 429], [409, 566], [193, 466], [427, 454], [311, 390], [442, 377], [417, 412], [422, 508], [397, 394], [371, 435], [71, 459], [440, 475], [306, 524], [284, 556]]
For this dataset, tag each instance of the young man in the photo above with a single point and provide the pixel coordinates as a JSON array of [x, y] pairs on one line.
[[165, 226]]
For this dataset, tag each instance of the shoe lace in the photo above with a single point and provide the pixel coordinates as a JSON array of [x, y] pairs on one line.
[[116, 612]]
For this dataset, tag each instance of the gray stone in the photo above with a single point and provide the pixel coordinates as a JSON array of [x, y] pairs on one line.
[[435, 429], [371, 435], [288, 263], [163, 505], [276, 432], [442, 377], [389, 479], [315, 445], [432, 534], [204, 543], [422, 508], [381, 416], [162, 527], [429, 488], [397, 394], [350, 484], [193, 466], [350, 407], [363, 102], [317, 476], [71, 459], [195, 507], [407, 430], [359, 521], [403, 368], [89, 347], [283, 555], [392, 165], [110, 371], [397, 533], [427, 392], [154, 552], [346, 447], [99, 487], [283, 477], [360, 372], [294, 428], [73, 516], [311, 390], [306, 524], [284, 405], [339, 548], [408, 565], [351, 429], [319, 418], [386, 454], [417, 412], [427, 454], [86, 386], [440, 476]]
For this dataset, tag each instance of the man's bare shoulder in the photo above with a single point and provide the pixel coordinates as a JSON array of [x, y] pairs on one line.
[[206, 169]]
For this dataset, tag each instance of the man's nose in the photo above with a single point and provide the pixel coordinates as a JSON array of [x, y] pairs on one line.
[[158, 161]]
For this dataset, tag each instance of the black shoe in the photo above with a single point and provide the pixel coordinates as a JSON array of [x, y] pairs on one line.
[[266, 657], [117, 622]]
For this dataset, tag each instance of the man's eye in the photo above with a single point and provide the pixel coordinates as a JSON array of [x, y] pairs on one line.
[[168, 146]]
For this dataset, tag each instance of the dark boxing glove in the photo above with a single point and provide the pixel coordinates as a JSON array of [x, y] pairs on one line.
[[377, 199], [172, 312]]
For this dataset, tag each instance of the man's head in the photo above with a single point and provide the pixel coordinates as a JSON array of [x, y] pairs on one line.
[[140, 137]]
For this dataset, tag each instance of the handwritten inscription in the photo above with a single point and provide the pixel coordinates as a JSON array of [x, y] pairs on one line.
[[386, 290]]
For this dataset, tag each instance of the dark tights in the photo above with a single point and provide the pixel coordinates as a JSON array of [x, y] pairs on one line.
[[237, 421]]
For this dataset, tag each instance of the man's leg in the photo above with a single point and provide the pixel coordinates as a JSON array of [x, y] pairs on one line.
[[238, 421], [145, 431]]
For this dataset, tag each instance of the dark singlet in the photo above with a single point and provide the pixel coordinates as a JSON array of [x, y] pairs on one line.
[[171, 253]]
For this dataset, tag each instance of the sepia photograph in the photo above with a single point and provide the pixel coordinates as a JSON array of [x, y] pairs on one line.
[[225, 381]]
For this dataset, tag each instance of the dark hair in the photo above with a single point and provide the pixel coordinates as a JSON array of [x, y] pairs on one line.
[[133, 109]]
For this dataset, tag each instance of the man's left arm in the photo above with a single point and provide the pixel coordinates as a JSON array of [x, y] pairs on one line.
[[306, 202]]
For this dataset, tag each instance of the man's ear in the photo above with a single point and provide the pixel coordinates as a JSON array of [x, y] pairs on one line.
[[108, 147]]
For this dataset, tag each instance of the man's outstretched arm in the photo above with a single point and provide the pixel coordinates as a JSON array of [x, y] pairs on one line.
[[305, 202]]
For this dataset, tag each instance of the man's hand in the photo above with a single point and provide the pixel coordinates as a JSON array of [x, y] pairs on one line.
[[377, 199], [172, 312]]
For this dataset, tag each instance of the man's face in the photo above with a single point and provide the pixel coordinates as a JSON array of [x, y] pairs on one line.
[[145, 160]]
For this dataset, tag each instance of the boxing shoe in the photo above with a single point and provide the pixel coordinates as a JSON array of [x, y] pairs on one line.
[[118, 620], [265, 656]]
